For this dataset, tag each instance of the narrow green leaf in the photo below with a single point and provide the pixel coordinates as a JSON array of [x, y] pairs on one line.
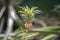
[[48, 37], [46, 28]]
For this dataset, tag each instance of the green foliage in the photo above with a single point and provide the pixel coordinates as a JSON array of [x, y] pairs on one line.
[[21, 34], [49, 37], [28, 13], [51, 32]]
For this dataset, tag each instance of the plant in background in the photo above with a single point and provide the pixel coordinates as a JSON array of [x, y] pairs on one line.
[[28, 14]]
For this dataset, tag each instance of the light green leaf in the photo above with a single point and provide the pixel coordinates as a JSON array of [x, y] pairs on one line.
[[48, 37]]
